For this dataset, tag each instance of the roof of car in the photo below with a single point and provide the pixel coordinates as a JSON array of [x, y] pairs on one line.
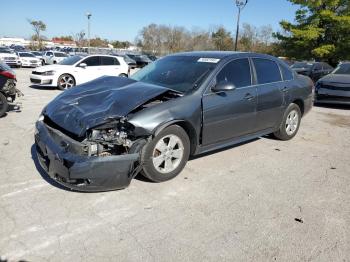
[[222, 54]]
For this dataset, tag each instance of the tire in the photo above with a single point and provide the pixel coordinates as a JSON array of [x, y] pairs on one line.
[[290, 123], [42, 62], [172, 157], [123, 75], [3, 105], [65, 81]]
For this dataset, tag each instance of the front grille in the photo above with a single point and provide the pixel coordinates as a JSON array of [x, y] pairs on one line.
[[37, 73], [341, 88], [35, 81], [33, 61], [10, 58]]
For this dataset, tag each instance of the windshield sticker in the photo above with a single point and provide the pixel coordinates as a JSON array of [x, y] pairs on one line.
[[208, 60]]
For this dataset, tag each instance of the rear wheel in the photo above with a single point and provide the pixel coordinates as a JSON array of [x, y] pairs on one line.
[[65, 81], [3, 105], [290, 123], [123, 75], [166, 155]]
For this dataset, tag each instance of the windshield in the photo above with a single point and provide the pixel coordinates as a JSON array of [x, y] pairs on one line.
[[343, 69], [302, 65], [25, 55], [180, 73], [60, 55], [5, 51], [37, 53], [71, 60]]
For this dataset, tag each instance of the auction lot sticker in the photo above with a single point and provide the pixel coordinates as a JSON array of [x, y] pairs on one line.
[[209, 60]]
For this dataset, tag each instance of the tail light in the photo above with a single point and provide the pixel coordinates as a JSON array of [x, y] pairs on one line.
[[8, 74]]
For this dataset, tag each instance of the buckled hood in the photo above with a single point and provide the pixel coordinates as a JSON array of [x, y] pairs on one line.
[[92, 104]]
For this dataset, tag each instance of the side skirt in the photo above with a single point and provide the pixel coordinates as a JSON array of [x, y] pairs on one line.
[[231, 142]]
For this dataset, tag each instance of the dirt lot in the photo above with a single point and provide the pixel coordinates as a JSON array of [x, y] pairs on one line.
[[265, 200]]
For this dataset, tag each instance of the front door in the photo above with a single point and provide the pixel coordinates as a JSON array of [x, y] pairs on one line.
[[230, 114]]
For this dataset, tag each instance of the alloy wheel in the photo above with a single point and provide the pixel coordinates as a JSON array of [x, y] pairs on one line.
[[292, 122], [66, 82], [167, 154]]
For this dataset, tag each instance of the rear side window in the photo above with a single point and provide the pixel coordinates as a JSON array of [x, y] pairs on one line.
[[267, 71], [317, 67], [106, 61], [92, 61], [236, 72], [286, 73]]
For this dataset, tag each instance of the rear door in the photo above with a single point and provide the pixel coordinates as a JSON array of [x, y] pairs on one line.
[[230, 114], [270, 92], [110, 66]]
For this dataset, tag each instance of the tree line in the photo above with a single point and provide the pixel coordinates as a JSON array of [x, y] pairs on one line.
[[321, 31]]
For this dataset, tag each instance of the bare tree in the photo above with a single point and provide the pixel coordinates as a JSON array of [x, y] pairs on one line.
[[79, 38]]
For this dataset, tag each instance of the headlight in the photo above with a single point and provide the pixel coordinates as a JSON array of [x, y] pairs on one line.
[[49, 73], [41, 118]]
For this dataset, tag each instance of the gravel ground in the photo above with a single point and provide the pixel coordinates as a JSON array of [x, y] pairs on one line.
[[265, 200]]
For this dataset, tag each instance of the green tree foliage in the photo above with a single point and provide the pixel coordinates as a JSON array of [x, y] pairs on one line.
[[321, 31], [121, 44], [38, 27], [222, 39]]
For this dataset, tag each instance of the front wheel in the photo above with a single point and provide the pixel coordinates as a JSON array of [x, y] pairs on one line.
[[65, 81], [166, 155], [3, 105], [290, 123]]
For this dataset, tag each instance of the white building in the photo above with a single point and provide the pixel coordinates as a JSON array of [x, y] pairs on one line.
[[7, 41]]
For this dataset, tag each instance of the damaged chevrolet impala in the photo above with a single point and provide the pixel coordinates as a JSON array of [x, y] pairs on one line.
[[98, 136]]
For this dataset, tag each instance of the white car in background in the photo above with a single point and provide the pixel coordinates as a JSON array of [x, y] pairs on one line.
[[76, 70], [28, 59], [9, 58], [52, 57]]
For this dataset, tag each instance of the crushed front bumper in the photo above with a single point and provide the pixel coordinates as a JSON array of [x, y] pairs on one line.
[[78, 172]]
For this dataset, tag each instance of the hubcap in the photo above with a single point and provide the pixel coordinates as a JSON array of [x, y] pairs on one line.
[[292, 122], [167, 154], [66, 82]]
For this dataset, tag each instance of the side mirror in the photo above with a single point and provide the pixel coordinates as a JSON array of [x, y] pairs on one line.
[[223, 87], [82, 65]]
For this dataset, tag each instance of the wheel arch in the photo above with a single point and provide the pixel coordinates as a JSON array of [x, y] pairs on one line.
[[189, 129], [300, 103]]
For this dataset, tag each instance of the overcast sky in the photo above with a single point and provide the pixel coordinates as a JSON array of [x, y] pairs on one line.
[[122, 20]]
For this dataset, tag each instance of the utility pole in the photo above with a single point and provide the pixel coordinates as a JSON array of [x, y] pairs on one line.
[[240, 5], [88, 15]]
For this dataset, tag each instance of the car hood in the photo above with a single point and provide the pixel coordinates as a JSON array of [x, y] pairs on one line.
[[96, 102], [52, 68], [335, 78], [7, 55]]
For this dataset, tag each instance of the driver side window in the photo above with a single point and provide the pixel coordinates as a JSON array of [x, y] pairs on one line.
[[236, 72]]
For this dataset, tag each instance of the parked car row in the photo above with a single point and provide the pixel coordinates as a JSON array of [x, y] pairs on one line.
[[332, 86]]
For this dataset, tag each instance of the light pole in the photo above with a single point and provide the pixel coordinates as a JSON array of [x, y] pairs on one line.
[[88, 15], [240, 5]]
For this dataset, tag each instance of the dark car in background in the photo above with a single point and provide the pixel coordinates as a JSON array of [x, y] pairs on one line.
[[131, 62], [141, 60], [8, 90], [314, 70], [335, 87], [99, 135]]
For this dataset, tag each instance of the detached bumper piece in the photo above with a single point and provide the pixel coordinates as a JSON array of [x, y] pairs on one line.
[[79, 172]]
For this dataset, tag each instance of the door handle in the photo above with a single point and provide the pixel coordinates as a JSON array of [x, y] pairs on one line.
[[248, 97]]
